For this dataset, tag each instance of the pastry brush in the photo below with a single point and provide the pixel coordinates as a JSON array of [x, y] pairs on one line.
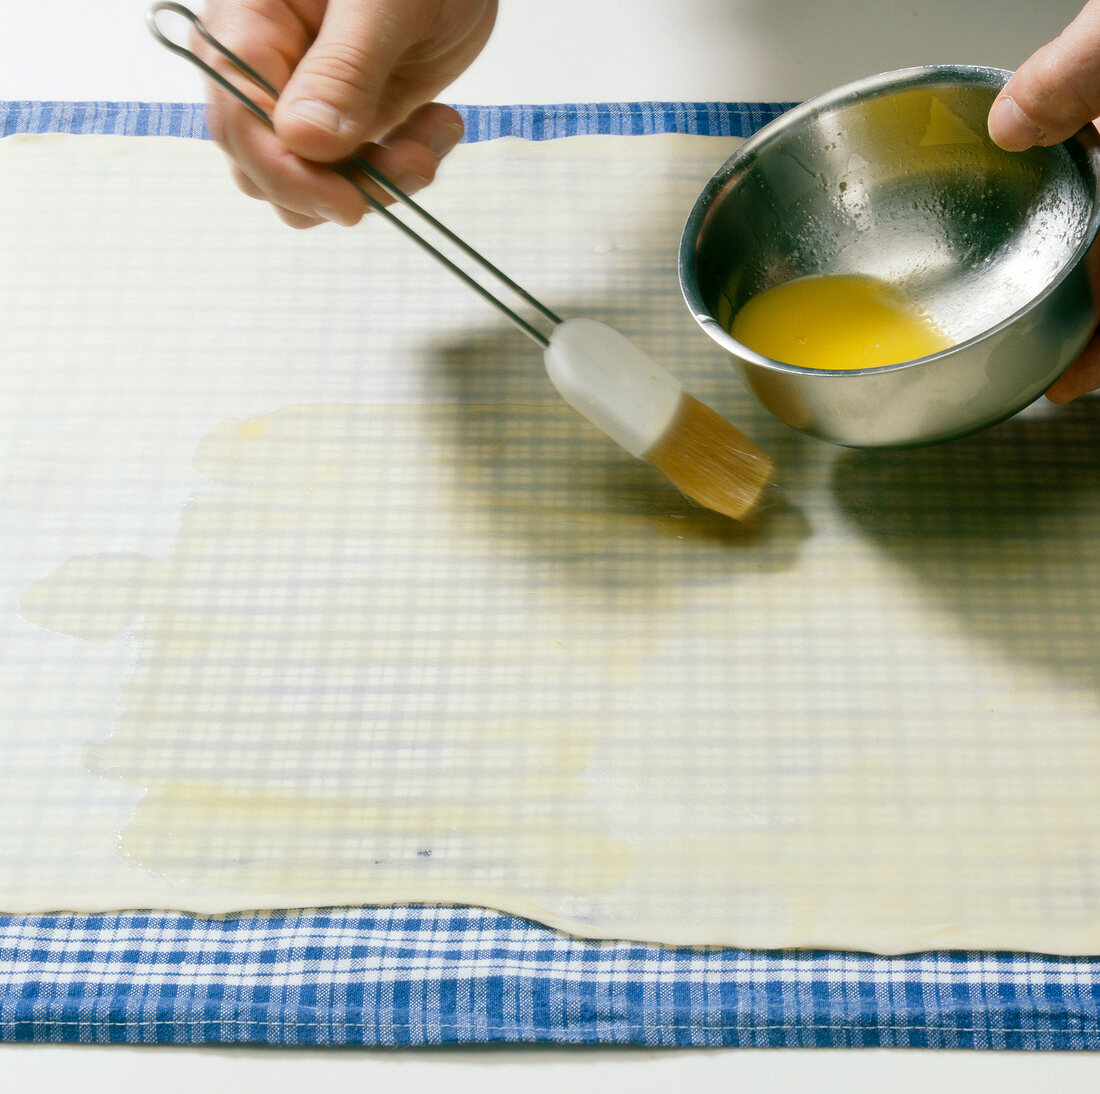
[[598, 371]]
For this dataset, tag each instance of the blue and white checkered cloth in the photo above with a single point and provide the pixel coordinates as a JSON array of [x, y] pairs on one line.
[[418, 974], [433, 975]]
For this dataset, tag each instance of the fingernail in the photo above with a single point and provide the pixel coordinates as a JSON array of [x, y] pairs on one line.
[[409, 184], [444, 137], [333, 215], [316, 113], [1010, 127]]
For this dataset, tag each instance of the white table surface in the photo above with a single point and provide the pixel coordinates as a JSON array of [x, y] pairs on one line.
[[558, 51], [575, 50]]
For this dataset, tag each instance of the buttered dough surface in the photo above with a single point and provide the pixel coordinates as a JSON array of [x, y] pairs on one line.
[[314, 592]]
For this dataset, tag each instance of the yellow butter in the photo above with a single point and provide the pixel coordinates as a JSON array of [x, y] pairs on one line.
[[836, 321]]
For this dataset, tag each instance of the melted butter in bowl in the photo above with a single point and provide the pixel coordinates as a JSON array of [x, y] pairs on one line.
[[837, 321], [895, 175]]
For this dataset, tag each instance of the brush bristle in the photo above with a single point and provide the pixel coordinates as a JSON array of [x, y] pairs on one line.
[[710, 461]]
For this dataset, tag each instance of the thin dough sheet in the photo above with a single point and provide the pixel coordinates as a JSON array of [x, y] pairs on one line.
[[315, 593]]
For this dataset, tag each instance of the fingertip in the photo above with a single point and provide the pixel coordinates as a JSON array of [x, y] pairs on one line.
[[435, 125], [346, 218], [1071, 385], [297, 220], [1082, 377], [408, 164], [1010, 128]]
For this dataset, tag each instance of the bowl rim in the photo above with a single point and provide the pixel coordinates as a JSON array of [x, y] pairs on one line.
[[874, 86]]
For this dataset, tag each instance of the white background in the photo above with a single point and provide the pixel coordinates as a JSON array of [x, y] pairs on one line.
[[574, 50], [558, 51]]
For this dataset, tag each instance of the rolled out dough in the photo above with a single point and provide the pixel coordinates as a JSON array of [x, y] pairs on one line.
[[315, 593]]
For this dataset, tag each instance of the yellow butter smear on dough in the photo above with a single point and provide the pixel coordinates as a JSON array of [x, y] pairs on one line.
[[446, 685], [333, 699]]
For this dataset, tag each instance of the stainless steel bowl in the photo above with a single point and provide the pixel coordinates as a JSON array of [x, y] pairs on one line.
[[895, 176]]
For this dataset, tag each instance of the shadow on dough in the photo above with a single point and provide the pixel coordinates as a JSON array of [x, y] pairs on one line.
[[1002, 528]]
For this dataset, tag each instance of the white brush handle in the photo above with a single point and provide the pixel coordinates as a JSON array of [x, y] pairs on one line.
[[612, 383]]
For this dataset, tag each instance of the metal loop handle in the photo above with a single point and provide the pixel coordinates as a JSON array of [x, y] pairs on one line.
[[348, 168]]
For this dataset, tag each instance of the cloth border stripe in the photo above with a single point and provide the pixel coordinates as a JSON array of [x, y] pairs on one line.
[[537, 122]]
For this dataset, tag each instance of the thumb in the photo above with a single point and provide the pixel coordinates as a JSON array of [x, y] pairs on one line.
[[330, 105], [1055, 91]]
